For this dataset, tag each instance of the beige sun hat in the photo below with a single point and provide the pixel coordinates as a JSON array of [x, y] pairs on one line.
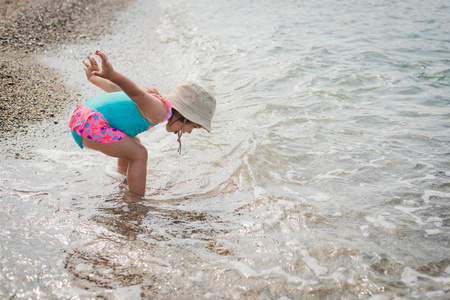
[[194, 102]]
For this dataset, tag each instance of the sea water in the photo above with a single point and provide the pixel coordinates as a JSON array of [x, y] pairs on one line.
[[326, 175]]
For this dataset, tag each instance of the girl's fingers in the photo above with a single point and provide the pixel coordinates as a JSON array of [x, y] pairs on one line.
[[92, 60], [99, 54], [102, 56]]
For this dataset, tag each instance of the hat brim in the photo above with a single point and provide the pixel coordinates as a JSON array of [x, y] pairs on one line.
[[194, 102]]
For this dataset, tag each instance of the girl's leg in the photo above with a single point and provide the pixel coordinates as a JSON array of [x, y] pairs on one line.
[[127, 149], [122, 164]]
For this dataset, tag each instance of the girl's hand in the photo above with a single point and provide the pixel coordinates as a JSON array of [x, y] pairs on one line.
[[107, 70], [92, 66]]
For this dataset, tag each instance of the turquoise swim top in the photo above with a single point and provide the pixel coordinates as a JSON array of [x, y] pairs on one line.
[[120, 112], [113, 110]]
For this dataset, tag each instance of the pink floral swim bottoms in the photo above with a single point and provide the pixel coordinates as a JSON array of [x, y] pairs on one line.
[[91, 124]]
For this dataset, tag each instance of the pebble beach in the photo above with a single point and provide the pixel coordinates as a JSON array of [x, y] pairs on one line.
[[326, 174], [29, 91]]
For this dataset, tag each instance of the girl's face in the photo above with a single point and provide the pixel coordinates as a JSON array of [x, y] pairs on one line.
[[176, 126]]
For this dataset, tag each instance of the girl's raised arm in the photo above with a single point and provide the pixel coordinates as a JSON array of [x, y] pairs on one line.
[[102, 83], [151, 108]]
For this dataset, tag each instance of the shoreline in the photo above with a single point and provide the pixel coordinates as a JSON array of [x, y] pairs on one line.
[[29, 91]]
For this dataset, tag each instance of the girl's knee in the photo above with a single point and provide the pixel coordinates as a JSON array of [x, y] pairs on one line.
[[142, 153]]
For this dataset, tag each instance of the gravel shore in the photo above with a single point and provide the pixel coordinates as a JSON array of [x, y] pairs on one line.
[[29, 91]]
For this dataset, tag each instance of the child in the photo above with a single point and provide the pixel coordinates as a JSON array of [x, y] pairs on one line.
[[110, 122]]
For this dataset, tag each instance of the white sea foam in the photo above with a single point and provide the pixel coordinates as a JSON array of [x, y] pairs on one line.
[[381, 221], [247, 271], [111, 171], [410, 211], [433, 231], [435, 294], [410, 277], [83, 268], [379, 297], [320, 197], [313, 264], [438, 222], [428, 194], [125, 293]]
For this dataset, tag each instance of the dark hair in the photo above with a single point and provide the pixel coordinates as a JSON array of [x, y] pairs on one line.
[[177, 116]]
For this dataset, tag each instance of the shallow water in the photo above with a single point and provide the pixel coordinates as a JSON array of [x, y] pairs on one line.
[[326, 175]]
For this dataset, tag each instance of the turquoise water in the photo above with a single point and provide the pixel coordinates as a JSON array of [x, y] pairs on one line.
[[326, 176]]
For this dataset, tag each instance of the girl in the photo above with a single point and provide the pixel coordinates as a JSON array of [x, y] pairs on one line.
[[110, 122]]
